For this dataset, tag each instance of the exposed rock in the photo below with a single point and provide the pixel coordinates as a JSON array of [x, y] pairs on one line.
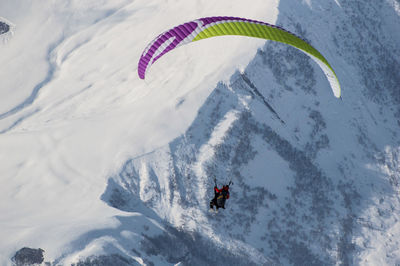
[[28, 256], [106, 260], [4, 28]]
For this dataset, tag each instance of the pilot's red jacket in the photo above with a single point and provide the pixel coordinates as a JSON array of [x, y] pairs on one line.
[[226, 188]]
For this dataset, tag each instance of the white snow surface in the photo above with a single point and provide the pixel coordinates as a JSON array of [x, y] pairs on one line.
[[95, 161], [73, 109]]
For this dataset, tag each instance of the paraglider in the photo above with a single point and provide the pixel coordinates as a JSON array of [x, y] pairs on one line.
[[218, 26], [220, 196]]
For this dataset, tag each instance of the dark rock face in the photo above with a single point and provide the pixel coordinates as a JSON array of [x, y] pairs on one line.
[[105, 260], [4, 27], [28, 256], [190, 248]]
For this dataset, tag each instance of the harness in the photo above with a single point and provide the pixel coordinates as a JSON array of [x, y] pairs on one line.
[[222, 198]]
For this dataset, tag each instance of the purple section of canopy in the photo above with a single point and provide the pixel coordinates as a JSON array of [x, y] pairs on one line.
[[180, 33]]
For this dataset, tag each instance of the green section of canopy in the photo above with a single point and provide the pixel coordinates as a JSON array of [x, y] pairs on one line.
[[264, 31]]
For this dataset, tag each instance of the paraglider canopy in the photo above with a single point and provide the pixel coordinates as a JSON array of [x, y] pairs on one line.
[[203, 28]]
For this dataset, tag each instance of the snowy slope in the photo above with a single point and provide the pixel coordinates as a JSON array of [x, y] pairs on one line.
[[73, 109], [100, 167]]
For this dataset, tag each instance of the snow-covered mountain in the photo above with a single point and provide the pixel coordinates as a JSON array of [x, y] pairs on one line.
[[99, 167]]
